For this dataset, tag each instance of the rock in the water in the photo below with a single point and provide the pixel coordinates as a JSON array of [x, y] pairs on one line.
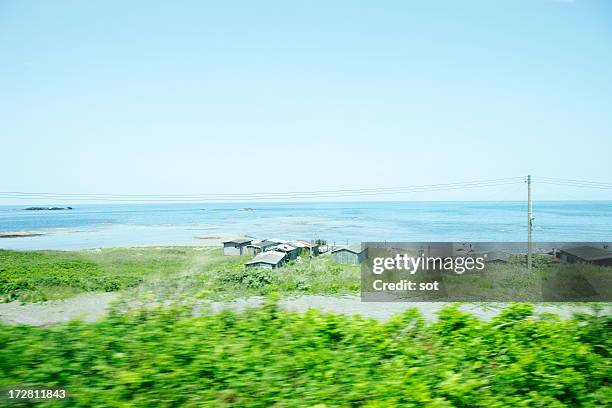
[[47, 208], [20, 234]]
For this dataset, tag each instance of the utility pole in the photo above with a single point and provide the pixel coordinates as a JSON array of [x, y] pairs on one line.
[[529, 224]]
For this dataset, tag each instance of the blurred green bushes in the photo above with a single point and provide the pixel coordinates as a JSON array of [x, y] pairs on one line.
[[268, 357]]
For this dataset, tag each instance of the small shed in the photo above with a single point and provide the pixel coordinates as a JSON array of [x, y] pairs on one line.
[[291, 251], [351, 254], [236, 246], [268, 260], [586, 254], [260, 246], [311, 248]]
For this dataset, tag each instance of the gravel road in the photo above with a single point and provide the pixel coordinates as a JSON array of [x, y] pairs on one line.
[[88, 306], [93, 306]]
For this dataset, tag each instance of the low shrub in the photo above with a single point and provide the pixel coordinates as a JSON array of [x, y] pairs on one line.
[[32, 275], [268, 357], [253, 278]]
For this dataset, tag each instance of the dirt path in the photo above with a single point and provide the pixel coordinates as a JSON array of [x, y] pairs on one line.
[[94, 306], [352, 305], [88, 306]]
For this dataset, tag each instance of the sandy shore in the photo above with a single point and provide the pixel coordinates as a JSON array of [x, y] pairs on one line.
[[119, 236]]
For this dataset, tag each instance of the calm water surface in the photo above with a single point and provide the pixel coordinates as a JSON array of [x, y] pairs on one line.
[[92, 226]]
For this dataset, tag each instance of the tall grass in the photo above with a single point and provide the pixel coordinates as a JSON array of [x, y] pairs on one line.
[[44, 275]]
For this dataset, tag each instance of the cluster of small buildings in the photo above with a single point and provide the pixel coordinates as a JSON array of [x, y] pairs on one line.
[[270, 254]]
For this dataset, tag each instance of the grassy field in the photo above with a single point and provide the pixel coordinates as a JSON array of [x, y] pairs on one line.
[[162, 355], [155, 275], [548, 281], [268, 357], [161, 274], [45, 275]]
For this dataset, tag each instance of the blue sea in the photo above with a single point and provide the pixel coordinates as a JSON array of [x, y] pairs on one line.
[[112, 225]]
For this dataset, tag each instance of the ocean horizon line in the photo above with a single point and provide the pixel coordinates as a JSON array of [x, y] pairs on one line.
[[100, 203]]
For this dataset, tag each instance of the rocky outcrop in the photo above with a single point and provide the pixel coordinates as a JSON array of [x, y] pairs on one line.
[[20, 234], [47, 208]]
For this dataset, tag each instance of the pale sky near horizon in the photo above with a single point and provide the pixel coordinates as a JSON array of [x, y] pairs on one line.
[[225, 97]]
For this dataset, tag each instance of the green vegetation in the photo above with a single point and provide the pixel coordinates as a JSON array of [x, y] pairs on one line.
[[512, 282], [267, 357], [155, 275], [214, 276], [43, 275], [165, 356], [161, 274], [538, 260], [314, 275]]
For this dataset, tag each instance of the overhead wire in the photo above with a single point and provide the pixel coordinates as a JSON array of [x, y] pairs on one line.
[[260, 195]]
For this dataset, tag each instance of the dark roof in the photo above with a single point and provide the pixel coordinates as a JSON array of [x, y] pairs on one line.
[[269, 257], [285, 248], [264, 242], [588, 253], [356, 249], [238, 241]]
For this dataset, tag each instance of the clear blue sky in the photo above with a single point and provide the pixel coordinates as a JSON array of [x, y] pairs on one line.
[[192, 96]]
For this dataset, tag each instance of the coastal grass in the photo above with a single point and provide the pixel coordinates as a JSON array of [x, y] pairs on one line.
[[269, 357], [45, 275], [154, 275], [163, 274], [548, 281], [210, 275], [318, 275]]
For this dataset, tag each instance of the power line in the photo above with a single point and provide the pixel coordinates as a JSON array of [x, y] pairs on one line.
[[293, 195], [465, 183], [263, 195], [575, 183]]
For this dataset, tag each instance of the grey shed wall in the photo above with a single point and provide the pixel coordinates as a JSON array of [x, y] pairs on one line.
[[348, 257], [230, 248], [261, 265], [293, 254], [253, 250]]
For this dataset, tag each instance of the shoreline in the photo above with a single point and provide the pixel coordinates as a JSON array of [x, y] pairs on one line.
[[115, 236]]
